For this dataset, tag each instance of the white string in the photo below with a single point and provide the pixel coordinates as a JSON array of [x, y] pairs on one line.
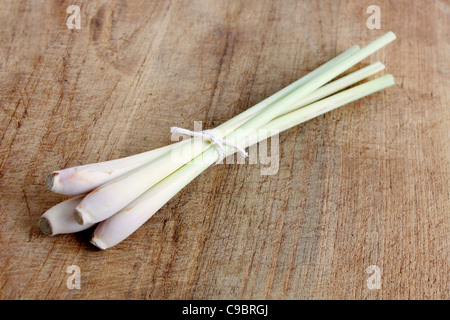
[[211, 137]]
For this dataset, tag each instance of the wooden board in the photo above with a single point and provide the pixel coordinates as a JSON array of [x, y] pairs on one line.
[[365, 185]]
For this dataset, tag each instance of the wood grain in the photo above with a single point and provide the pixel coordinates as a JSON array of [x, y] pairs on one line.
[[364, 185]]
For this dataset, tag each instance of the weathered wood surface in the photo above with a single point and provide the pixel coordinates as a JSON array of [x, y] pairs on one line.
[[364, 185]]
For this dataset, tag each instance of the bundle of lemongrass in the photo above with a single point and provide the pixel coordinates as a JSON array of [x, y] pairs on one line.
[[121, 195]]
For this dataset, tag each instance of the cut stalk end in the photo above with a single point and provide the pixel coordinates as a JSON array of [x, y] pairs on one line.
[[45, 226], [78, 216], [98, 243], [50, 179], [391, 35]]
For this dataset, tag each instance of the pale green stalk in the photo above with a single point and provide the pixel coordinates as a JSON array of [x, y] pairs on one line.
[[335, 101], [85, 178], [102, 202], [118, 227], [280, 106], [59, 218], [230, 125], [328, 89], [337, 85]]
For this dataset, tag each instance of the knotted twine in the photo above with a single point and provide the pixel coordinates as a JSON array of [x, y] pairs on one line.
[[209, 135]]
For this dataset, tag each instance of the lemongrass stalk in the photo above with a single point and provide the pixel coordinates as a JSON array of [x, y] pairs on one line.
[[59, 218], [280, 106], [118, 227], [306, 113], [335, 101], [82, 179], [224, 128], [324, 91], [328, 89], [97, 206], [317, 95], [85, 178], [337, 85], [102, 202]]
